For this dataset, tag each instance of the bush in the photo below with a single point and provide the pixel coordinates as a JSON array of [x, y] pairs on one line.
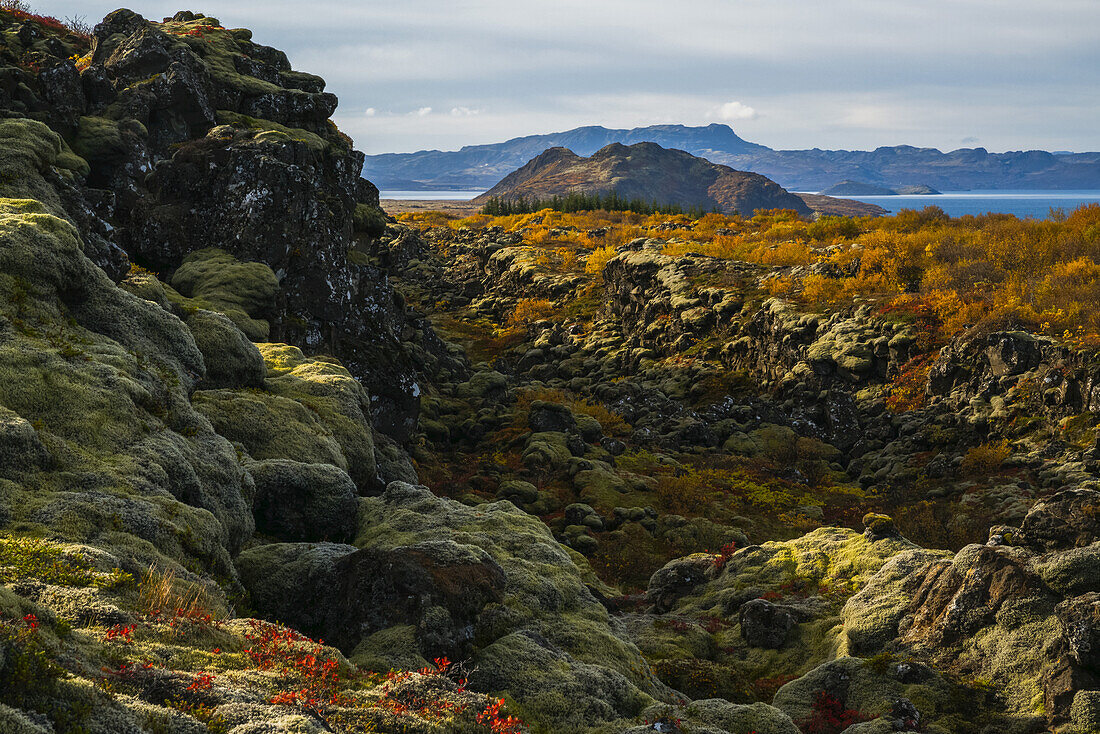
[[985, 459]]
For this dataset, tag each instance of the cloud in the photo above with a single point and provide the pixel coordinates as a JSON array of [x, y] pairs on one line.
[[737, 111], [370, 112], [848, 74], [423, 112], [969, 140]]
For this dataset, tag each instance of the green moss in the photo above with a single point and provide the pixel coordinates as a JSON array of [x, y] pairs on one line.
[[245, 292], [272, 131], [102, 378], [269, 426], [604, 678], [393, 648], [31, 558], [370, 220], [27, 149], [99, 141], [31, 679], [327, 389]]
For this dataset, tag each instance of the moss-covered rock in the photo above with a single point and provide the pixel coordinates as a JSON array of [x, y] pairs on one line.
[[245, 292], [340, 401], [270, 426], [231, 359], [103, 378], [549, 643], [303, 502]]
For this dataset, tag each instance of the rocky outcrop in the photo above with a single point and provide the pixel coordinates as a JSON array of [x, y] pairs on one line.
[[196, 137]]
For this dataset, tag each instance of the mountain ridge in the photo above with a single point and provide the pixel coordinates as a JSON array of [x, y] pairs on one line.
[[812, 169]]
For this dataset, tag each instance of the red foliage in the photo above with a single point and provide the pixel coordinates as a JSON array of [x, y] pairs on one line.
[[722, 556], [122, 633], [907, 388], [201, 682], [47, 21], [765, 688], [714, 625], [31, 622], [493, 718], [829, 716], [276, 648]]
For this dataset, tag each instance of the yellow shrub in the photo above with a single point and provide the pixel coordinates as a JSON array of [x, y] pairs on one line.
[[598, 259], [985, 458], [530, 310]]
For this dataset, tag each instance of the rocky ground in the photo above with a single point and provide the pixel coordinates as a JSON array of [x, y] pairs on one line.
[[514, 486]]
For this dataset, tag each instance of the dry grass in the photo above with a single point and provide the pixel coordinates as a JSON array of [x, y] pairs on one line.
[[163, 594]]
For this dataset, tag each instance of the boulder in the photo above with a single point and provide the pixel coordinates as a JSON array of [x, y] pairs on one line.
[[678, 578], [303, 502], [1068, 519], [1080, 620], [764, 624], [343, 594]]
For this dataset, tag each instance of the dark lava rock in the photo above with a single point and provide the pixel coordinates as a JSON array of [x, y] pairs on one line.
[[550, 417], [1068, 519], [764, 624], [678, 578], [342, 594], [304, 502], [1080, 620]]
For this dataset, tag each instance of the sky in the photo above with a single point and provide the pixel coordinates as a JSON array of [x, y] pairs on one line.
[[790, 74]]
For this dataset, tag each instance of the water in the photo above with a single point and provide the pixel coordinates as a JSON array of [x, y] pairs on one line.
[[430, 195], [1036, 204], [1023, 204]]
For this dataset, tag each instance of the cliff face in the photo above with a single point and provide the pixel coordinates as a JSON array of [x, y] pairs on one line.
[[648, 172], [198, 138]]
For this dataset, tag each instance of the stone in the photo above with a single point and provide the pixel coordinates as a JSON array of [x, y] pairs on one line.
[[300, 502], [764, 624]]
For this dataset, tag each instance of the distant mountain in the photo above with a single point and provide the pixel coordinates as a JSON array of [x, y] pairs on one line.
[[482, 166], [649, 172], [858, 188]]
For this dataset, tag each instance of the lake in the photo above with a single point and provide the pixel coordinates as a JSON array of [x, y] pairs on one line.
[[1035, 204], [1023, 204], [430, 195]]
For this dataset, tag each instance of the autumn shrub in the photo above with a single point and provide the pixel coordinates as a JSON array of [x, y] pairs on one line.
[[628, 557], [612, 423], [530, 310], [829, 716], [907, 389], [984, 459], [702, 679], [971, 271], [598, 259]]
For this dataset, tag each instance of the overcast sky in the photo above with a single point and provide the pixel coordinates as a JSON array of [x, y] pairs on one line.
[[854, 74]]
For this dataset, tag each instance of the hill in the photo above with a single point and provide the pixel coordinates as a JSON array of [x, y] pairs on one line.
[[856, 188], [648, 172], [481, 166]]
